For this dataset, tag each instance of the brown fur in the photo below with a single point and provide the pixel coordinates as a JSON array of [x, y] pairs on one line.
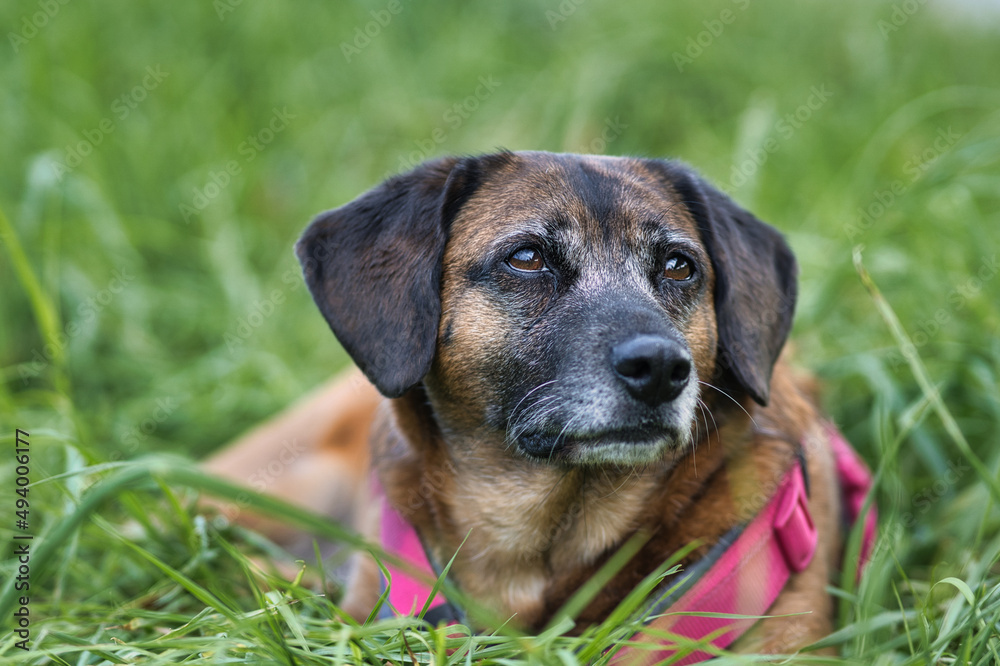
[[314, 455], [535, 531]]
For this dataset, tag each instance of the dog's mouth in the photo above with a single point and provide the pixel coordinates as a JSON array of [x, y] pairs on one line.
[[630, 446]]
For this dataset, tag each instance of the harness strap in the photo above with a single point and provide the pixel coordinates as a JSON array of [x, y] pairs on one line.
[[747, 578], [407, 595], [855, 482]]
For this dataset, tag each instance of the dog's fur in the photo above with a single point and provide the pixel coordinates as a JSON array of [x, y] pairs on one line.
[[511, 416]]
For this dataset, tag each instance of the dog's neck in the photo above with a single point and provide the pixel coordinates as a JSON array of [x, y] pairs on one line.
[[536, 532]]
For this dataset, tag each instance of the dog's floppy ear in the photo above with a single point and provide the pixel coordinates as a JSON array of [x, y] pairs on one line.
[[374, 269], [755, 281]]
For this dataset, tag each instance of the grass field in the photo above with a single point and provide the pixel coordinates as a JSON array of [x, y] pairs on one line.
[[160, 160]]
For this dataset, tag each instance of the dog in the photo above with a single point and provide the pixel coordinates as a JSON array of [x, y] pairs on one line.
[[557, 353]]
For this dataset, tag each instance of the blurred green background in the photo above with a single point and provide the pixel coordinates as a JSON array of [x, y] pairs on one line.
[[185, 91], [160, 160]]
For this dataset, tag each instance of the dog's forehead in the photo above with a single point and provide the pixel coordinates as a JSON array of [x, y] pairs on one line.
[[596, 195]]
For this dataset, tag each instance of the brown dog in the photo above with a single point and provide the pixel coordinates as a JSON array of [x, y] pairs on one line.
[[575, 349]]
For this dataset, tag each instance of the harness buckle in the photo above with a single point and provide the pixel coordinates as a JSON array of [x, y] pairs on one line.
[[794, 529]]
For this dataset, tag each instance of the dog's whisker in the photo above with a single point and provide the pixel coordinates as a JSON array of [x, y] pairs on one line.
[[614, 490], [515, 416], [734, 400], [555, 485], [536, 417], [697, 425], [523, 420], [705, 413], [555, 444], [697, 438], [572, 421], [526, 395], [705, 410]]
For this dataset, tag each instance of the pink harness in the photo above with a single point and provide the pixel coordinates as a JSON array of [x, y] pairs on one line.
[[743, 575]]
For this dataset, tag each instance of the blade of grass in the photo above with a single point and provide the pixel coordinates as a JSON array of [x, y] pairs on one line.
[[56, 537], [441, 580], [77, 641], [909, 352], [621, 615], [583, 596], [193, 588], [175, 471], [45, 312]]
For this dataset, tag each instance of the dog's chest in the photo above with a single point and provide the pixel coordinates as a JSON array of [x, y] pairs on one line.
[[522, 532]]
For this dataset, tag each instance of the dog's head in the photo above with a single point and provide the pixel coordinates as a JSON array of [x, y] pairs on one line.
[[572, 307]]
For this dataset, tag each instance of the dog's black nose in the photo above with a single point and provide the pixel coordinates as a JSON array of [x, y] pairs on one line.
[[654, 369]]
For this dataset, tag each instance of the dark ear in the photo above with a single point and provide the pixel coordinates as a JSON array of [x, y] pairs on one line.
[[755, 282], [374, 269]]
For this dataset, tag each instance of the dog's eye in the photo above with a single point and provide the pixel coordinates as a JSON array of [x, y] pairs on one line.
[[678, 267], [526, 259]]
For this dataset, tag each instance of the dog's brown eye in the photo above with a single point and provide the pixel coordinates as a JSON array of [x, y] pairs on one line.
[[526, 259], [677, 268]]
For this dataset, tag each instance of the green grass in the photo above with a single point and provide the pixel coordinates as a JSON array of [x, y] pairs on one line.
[[132, 327]]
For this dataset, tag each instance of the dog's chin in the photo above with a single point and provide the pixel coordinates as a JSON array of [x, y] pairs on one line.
[[633, 448]]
